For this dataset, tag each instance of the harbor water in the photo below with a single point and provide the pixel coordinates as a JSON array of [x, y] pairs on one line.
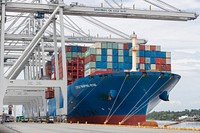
[[180, 125]]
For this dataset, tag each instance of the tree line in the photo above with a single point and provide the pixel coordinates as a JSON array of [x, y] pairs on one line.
[[172, 115]]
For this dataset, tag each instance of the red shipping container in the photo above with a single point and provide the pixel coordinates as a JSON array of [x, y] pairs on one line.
[[142, 70], [109, 70], [162, 68], [168, 67], [60, 55], [158, 60], [126, 46], [84, 49], [158, 67], [163, 61], [90, 58], [152, 47], [142, 60], [142, 47], [53, 61], [68, 48]]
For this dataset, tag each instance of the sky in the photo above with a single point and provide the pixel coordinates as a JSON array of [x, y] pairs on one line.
[[181, 38]]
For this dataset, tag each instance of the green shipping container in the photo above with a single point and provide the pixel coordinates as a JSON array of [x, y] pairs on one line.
[[68, 54], [109, 45], [79, 54], [90, 65], [98, 58], [69, 59], [120, 52], [104, 45], [120, 59], [74, 54], [109, 65], [90, 51], [115, 46]]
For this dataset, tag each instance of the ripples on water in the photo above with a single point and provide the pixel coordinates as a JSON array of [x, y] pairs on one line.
[[180, 125]]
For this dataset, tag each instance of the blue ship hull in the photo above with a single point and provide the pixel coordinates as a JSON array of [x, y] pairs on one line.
[[116, 98]]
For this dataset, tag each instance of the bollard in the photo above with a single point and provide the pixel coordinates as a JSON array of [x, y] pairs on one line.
[[70, 122], [77, 122], [86, 122], [138, 124]]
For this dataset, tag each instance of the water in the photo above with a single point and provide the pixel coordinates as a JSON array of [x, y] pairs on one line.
[[180, 125]]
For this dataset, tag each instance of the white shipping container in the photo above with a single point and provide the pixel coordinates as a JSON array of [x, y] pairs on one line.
[[137, 59], [147, 60], [98, 45], [89, 71], [168, 54], [153, 66], [142, 66], [168, 61], [147, 47], [158, 48], [109, 51], [120, 46], [109, 58], [98, 51]]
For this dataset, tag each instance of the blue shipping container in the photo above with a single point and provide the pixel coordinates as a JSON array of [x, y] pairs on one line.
[[115, 65], [99, 64], [115, 52], [129, 45], [104, 51], [147, 66], [158, 54], [103, 58], [79, 49], [130, 59], [126, 65], [141, 53], [74, 48], [121, 65], [126, 52], [126, 59], [130, 66], [147, 54], [138, 66], [153, 54], [163, 54], [115, 59], [153, 60]]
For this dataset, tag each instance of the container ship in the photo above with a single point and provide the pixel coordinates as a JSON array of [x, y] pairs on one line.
[[113, 83]]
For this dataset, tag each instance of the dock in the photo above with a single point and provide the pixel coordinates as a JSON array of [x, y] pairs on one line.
[[83, 128]]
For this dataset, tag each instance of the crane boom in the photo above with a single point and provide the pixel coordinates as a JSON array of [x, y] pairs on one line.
[[102, 11]]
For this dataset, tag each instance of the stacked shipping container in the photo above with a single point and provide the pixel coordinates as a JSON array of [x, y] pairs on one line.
[[107, 57], [151, 58], [48, 69], [74, 60]]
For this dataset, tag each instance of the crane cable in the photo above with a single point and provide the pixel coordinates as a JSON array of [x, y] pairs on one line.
[[108, 118], [129, 113], [142, 106], [115, 99]]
